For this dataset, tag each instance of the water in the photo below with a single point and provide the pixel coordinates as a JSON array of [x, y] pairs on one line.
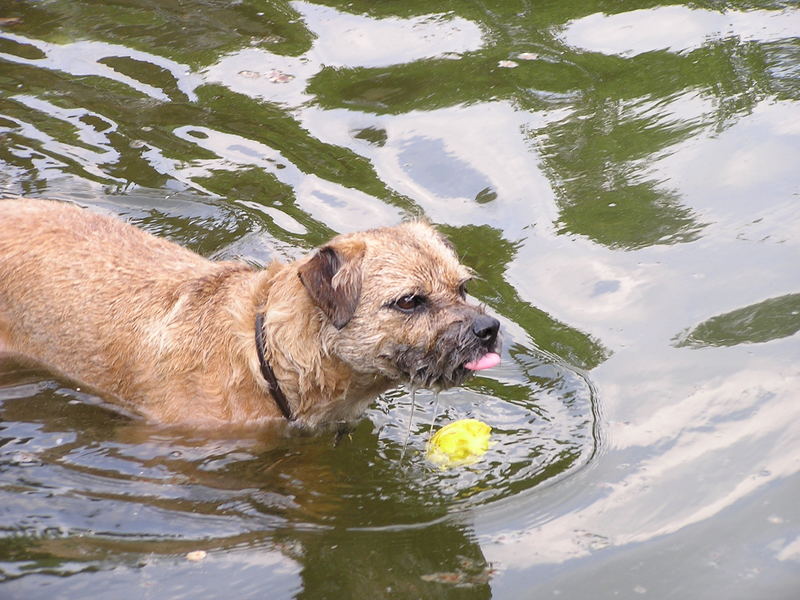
[[624, 181]]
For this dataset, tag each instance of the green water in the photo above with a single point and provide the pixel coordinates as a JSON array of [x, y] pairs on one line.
[[623, 178]]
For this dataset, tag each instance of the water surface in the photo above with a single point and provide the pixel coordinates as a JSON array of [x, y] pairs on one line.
[[622, 178]]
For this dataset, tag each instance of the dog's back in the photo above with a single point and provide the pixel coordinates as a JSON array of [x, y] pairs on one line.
[[76, 287], [63, 263]]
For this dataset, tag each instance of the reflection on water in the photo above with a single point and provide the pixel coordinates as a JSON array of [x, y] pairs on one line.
[[626, 192], [677, 29], [768, 320]]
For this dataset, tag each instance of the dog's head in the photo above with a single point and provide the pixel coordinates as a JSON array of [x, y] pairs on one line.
[[394, 303]]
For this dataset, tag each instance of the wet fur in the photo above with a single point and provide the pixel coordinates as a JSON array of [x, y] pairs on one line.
[[171, 334]]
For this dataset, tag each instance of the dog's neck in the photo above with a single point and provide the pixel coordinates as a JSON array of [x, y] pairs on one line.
[[318, 386], [268, 373]]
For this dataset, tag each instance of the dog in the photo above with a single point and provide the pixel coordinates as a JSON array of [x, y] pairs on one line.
[[185, 340]]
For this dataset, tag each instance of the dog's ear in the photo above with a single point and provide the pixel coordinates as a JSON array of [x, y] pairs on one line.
[[332, 277]]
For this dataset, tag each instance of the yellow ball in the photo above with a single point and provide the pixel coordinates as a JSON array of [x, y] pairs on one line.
[[461, 442]]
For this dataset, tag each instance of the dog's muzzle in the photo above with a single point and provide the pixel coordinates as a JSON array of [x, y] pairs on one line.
[[465, 346]]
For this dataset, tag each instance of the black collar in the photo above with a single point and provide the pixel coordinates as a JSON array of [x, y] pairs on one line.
[[268, 373]]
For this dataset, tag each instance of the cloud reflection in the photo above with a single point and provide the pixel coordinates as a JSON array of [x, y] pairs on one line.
[[712, 449], [348, 40], [676, 28]]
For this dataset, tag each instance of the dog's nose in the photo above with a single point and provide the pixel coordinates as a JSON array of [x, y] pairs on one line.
[[485, 328]]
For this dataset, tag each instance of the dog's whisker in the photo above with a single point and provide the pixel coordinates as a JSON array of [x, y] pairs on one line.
[[410, 421]]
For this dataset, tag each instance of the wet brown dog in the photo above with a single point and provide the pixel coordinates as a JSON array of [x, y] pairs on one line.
[[186, 340]]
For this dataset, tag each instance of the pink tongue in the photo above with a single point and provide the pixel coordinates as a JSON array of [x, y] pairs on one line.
[[487, 361]]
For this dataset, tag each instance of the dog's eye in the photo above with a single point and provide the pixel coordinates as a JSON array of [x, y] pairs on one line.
[[462, 290], [409, 303]]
